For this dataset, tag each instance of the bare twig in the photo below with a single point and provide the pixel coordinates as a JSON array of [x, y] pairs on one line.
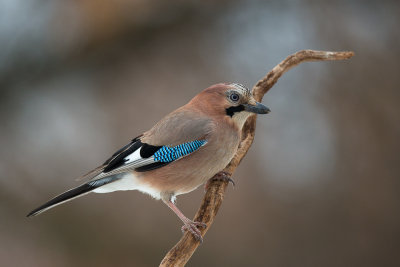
[[184, 249]]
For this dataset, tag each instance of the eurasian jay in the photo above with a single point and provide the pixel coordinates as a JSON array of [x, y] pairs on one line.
[[180, 153]]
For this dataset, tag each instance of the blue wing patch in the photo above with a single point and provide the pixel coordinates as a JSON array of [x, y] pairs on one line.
[[168, 154]]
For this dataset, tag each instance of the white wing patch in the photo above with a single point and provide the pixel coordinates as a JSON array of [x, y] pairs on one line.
[[135, 160], [135, 156]]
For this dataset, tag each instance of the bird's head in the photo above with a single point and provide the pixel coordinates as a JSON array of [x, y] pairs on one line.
[[232, 100]]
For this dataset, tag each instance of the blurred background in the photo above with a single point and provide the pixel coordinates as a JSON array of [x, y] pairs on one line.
[[319, 187]]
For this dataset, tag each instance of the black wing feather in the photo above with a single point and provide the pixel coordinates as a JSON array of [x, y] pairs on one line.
[[118, 159], [151, 166], [73, 193], [148, 150]]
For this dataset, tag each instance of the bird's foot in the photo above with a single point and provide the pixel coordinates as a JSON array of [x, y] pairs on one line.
[[224, 176], [221, 176], [191, 227]]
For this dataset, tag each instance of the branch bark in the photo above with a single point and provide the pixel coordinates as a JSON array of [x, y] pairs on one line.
[[212, 200]]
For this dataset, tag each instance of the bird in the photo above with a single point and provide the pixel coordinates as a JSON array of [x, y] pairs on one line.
[[178, 154]]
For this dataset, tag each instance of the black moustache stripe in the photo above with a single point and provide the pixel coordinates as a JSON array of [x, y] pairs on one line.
[[231, 110]]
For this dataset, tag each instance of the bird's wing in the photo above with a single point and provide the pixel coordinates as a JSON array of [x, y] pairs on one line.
[[116, 156], [176, 136], [143, 157], [182, 125]]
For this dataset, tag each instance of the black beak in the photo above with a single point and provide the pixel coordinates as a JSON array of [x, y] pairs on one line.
[[258, 108]]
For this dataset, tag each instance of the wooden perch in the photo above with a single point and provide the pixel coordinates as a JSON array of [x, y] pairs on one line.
[[184, 249]]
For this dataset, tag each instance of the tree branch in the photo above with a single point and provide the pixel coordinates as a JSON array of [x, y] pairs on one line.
[[184, 249]]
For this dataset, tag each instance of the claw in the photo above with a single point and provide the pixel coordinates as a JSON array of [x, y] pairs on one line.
[[224, 176], [192, 228]]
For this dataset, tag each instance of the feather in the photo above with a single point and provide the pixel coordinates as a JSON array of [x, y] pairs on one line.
[[113, 161], [73, 193], [169, 154], [148, 157], [118, 159]]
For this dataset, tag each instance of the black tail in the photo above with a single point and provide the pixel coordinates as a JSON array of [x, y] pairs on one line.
[[73, 193]]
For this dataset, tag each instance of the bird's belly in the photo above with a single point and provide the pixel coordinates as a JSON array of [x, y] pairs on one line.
[[130, 181]]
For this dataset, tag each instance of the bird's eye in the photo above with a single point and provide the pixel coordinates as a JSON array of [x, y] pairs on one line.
[[234, 97]]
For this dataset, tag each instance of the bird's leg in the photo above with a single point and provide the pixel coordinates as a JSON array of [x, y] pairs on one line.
[[221, 176], [188, 225]]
